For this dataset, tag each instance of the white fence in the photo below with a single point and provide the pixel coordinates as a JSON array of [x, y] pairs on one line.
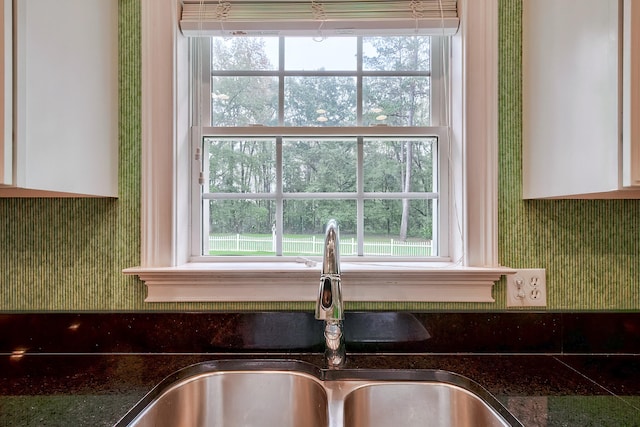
[[313, 246]]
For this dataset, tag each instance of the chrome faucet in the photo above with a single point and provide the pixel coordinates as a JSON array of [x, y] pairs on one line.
[[329, 303]]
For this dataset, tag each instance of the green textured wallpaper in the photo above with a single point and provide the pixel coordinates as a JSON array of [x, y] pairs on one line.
[[68, 254]]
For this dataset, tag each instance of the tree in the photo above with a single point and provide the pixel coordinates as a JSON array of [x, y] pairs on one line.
[[242, 165], [242, 100], [404, 101]]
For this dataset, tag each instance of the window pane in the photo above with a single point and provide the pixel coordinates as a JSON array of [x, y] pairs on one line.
[[396, 53], [241, 227], [244, 101], [320, 101], [244, 53], [305, 221], [385, 165], [319, 165], [312, 54], [396, 101], [387, 235], [241, 165]]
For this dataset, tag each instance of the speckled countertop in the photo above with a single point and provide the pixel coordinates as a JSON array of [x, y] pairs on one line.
[[42, 384]]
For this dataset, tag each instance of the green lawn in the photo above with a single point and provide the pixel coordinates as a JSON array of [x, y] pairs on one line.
[[311, 245]]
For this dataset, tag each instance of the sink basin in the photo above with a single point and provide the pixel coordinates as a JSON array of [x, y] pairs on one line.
[[270, 393], [215, 395], [417, 404]]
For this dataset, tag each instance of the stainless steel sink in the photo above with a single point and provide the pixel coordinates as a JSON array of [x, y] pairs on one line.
[[417, 404], [289, 393]]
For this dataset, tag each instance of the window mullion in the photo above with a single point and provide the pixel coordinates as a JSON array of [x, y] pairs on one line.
[[360, 199], [325, 131], [439, 221], [279, 198], [360, 155], [332, 196], [279, 166], [281, 54], [359, 82]]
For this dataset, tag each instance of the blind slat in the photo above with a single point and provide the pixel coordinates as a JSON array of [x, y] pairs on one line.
[[329, 17]]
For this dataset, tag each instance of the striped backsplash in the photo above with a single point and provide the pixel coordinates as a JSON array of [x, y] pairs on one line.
[[68, 254]]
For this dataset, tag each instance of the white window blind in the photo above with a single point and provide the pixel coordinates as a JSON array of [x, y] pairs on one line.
[[328, 17]]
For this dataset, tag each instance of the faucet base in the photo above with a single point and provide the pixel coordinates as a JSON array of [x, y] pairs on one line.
[[335, 353]]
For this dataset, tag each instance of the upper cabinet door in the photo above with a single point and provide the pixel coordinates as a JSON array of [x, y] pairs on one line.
[[631, 93], [6, 97], [66, 98], [575, 53]]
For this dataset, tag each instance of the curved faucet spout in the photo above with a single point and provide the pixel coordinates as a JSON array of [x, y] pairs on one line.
[[329, 303], [331, 257]]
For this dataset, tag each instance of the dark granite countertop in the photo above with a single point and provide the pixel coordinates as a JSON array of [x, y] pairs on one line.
[[41, 384], [540, 390]]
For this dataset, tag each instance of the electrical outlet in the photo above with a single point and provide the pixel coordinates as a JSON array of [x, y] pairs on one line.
[[527, 288]]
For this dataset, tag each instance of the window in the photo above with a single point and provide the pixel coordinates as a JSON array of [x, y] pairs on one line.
[[170, 272], [298, 130]]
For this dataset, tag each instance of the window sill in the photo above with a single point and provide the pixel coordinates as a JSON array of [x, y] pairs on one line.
[[372, 282]]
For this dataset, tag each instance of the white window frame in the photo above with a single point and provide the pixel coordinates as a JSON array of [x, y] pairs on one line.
[[166, 179]]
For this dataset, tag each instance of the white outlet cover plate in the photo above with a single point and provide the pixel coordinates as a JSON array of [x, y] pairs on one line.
[[527, 288]]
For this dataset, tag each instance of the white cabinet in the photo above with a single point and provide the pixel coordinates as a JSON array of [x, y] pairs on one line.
[[6, 99], [65, 99], [581, 99]]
